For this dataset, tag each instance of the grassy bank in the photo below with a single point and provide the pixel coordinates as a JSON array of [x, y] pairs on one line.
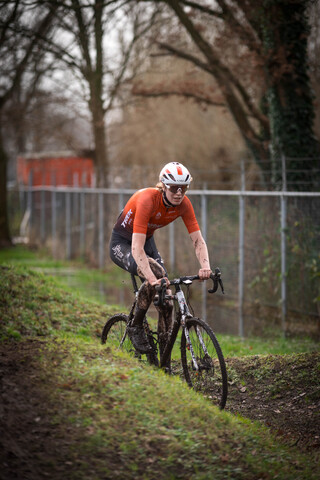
[[80, 280], [75, 275], [90, 412]]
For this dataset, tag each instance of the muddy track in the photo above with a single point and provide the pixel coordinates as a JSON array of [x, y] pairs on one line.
[[281, 392]]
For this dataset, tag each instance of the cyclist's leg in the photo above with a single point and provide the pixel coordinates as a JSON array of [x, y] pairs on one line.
[[144, 298], [120, 253], [165, 313], [147, 291]]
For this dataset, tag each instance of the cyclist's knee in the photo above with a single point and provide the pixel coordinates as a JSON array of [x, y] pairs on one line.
[[147, 291], [156, 268]]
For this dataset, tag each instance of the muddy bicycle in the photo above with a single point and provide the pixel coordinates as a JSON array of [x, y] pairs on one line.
[[202, 360]]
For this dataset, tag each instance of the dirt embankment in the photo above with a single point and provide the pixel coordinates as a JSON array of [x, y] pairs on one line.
[[281, 392]]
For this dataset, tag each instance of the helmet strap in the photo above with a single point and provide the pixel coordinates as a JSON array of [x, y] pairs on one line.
[[166, 201]]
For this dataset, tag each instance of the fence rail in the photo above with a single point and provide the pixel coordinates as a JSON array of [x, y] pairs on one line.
[[257, 238]]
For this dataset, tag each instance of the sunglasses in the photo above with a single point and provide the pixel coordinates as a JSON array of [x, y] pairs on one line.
[[175, 188]]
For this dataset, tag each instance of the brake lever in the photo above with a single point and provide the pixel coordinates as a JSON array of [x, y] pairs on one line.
[[159, 302], [216, 279], [221, 285]]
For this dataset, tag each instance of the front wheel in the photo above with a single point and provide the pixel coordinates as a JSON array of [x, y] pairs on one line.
[[208, 372]]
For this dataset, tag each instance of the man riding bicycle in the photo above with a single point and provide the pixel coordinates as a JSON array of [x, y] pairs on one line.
[[132, 245]]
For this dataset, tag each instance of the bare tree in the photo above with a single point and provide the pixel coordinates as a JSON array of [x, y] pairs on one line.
[[97, 40], [270, 41], [23, 28]]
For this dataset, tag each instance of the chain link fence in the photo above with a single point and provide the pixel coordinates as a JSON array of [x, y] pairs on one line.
[[266, 244]]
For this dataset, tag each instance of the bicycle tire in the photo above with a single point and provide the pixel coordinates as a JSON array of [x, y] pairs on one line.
[[211, 378], [114, 332]]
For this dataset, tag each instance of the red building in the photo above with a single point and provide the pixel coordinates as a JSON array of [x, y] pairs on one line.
[[56, 168]]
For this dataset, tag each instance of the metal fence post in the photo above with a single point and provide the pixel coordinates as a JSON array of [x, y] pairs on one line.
[[241, 248], [82, 223], [121, 202], [42, 213], [68, 225], [54, 222], [29, 199], [283, 203], [101, 231]]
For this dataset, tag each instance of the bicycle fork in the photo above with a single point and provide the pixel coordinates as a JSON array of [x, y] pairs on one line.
[[189, 344], [185, 313]]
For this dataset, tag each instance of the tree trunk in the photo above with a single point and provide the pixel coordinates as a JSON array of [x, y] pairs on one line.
[[230, 90], [290, 101], [100, 140], [5, 239]]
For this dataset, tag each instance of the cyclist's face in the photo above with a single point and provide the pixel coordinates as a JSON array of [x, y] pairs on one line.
[[175, 193]]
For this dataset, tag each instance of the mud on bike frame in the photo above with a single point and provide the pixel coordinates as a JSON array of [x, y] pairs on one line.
[[182, 313]]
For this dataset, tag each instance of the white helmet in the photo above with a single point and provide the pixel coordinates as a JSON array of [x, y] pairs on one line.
[[175, 172]]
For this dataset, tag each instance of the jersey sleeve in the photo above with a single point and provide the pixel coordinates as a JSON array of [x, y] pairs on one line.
[[144, 208], [188, 216]]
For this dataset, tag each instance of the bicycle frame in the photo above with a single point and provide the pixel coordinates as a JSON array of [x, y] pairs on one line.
[[182, 313]]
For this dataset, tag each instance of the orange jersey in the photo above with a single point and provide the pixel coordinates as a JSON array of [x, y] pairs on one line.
[[145, 212]]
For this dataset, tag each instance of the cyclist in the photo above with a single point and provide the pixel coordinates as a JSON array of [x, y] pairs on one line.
[[132, 245]]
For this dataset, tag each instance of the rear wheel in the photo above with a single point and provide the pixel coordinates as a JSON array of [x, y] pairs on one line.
[[211, 376], [114, 333]]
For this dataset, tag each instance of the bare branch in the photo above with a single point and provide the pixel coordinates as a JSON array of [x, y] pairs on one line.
[[223, 76], [140, 92], [38, 35]]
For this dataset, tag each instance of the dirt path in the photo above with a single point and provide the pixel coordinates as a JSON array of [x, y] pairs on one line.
[[282, 394], [29, 438]]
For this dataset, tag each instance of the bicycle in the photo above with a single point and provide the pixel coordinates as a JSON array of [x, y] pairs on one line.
[[202, 359]]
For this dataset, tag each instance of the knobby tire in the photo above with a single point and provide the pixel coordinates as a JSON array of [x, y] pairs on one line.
[[113, 333], [212, 378]]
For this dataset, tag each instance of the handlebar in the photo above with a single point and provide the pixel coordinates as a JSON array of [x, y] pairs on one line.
[[161, 289]]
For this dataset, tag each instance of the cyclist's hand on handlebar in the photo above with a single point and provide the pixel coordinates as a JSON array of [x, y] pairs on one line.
[[204, 273], [159, 280]]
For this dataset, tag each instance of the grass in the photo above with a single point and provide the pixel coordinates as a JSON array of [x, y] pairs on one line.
[[73, 275], [119, 417], [81, 279], [146, 425], [33, 304], [272, 343]]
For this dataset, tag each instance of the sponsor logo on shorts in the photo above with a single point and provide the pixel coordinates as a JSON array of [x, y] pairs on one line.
[[117, 252]]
